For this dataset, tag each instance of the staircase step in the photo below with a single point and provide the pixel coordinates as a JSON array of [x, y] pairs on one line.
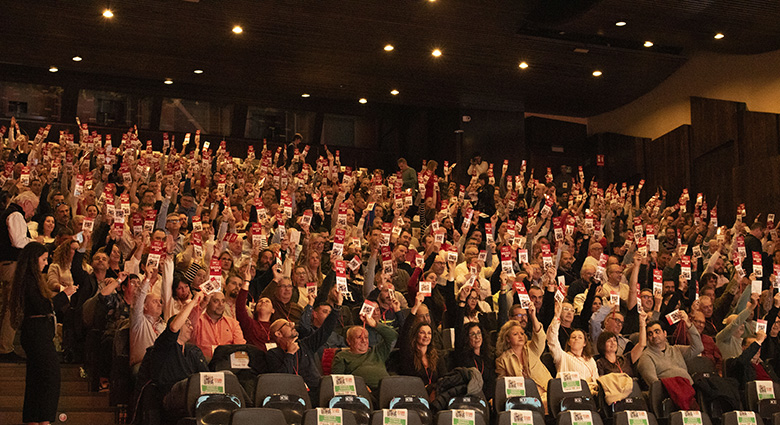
[[68, 372], [96, 416], [67, 401], [16, 386]]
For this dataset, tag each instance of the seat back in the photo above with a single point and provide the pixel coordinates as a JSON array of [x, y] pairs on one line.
[[245, 361], [327, 390], [199, 387], [255, 415], [444, 417], [391, 387], [556, 396], [699, 364], [471, 402], [505, 417], [517, 400], [310, 417], [549, 362], [634, 417], [742, 417], [634, 401], [760, 400], [283, 391], [215, 409], [660, 402], [682, 417], [412, 418], [569, 417]]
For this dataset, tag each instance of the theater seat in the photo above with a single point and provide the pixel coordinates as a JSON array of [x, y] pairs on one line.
[[622, 418], [471, 402], [257, 415], [505, 417], [567, 418], [359, 403], [676, 418], [733, 418], [531, 401], [209, 408], [310, 417], [405, 392], [283, 391], [634, 401], [662, 405], [444, 417], [558, 401], [765, 408], [699, 364], [412, 418]]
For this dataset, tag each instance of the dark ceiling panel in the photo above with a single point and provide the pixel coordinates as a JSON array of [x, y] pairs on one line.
[[333, 48]]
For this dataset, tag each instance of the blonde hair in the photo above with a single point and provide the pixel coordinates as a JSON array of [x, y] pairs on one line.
[[502, 344]]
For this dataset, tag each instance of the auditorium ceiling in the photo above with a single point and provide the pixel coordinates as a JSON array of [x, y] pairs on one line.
[[335, 49]]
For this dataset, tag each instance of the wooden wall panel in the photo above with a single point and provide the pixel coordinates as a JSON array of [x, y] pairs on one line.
[[758, 137], [624, 156], [667, 162], [711, 175], [757, 185], [714, 122]]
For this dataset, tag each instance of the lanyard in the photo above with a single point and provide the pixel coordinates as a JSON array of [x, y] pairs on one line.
[[478, 368]]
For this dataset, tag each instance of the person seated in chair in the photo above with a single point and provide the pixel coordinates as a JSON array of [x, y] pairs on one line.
[[749, 366], [364, 361], [661, 360]]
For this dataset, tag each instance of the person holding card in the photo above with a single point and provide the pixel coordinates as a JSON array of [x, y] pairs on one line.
[[749, 366], [213, 327], [662, 360], [298, 355], [611, 361], [362, 360], [521, 357], [578, 356], [729, 339]]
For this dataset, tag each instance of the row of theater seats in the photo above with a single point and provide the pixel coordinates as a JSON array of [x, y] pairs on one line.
[[287, 394]]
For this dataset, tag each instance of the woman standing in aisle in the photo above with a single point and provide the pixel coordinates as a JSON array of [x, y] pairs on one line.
[[31, 307]]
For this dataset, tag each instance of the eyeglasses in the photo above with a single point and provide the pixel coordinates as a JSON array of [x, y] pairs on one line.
[[521, 315], [475, 334], [567, 309]]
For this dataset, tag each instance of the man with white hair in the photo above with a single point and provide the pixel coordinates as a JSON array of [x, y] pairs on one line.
[[360, 359], [13, 237]]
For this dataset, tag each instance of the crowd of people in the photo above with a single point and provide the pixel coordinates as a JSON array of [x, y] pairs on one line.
[[118, 256]]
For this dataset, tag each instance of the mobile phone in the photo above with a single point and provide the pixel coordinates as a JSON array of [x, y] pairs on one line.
[[80, 237]]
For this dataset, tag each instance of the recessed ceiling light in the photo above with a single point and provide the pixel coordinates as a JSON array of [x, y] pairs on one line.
[[237, 29], [53, 69], [108, 13], [394, 92], [389, 48], [719, 36], [597, 73], [620, 23], [648, 44], [168, 81], [436, 52], [523, 65], [306, 95], [77, 58], [363, 100], [197, 71]]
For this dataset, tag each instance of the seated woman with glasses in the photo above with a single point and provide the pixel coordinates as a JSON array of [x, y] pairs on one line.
[[578, 355], [472, 349]]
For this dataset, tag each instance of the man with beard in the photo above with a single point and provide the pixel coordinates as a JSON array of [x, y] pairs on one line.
[[565, 268], [263, 274], [214, 327], [232, 286], [661, 360]]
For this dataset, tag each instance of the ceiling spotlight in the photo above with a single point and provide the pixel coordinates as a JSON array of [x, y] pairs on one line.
[[597, 73], [306, 95], [53, 69], [719, 36], [523, 65], [620, 23], [363, 100], [197, 71], [394, 92], [108, 13], [648, 44], [76, 58], [389, 48], [168, 81], [237, 29], [436, 52]]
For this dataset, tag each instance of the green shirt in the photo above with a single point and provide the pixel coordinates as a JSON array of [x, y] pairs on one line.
[[369, 365]]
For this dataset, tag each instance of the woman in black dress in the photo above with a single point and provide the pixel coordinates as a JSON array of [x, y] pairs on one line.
[[31, 307]]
